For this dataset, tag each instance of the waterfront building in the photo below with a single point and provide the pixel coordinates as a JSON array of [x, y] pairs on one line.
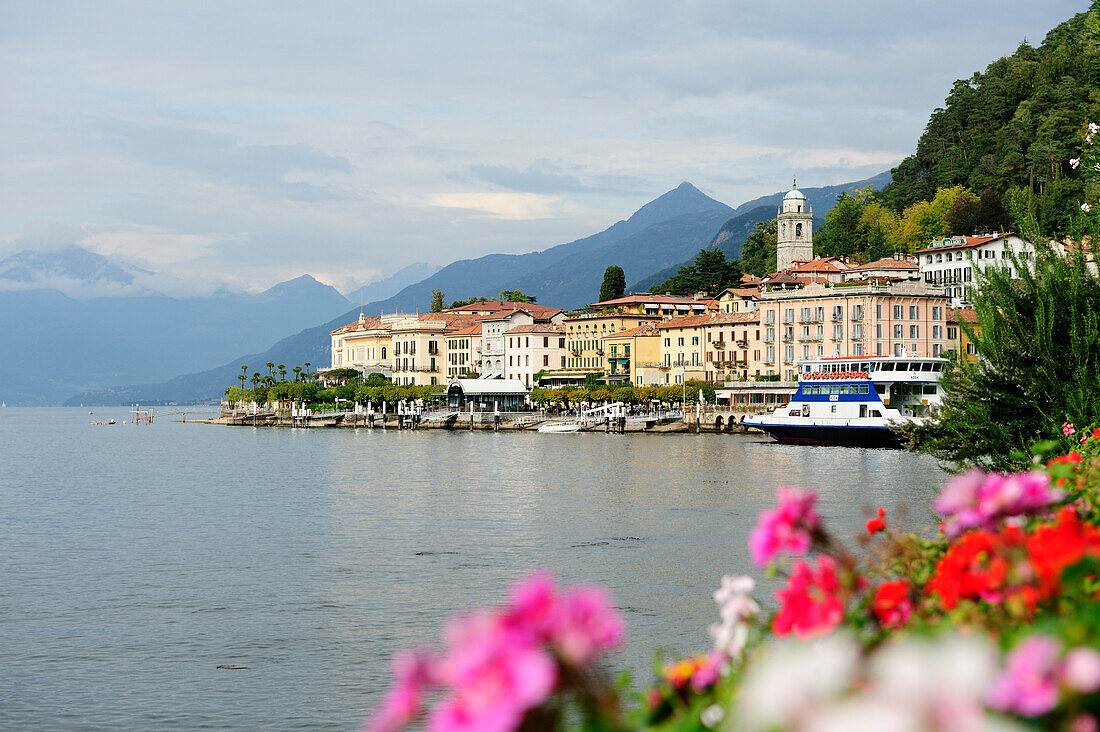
[[732, 346], [634, 355], [682, 349], [951, 262], [419, 347], [485, 395], [366, 344], [819, 270], [795, 230], [463, 352], [494, 324], [871, 318], [531, 348]]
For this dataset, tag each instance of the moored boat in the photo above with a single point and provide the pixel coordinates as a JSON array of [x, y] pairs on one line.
[[560, 427], [855, 402]]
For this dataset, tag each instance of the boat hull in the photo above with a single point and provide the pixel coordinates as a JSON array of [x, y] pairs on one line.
[[829, 435]]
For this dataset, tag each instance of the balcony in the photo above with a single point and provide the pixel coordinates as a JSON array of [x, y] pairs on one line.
[[718, 345], [743, 343]]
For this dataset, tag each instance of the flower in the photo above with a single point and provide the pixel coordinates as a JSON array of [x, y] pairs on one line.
[[413, 674], [1029, 684], [786, 529], [1074, 162], [736, 608], [1067, 427], [877, 524], [1086, 207], [495, 673], [977, 499], [1081, 670], [891, 603], [809, 605], [701, 671], [584, 624]]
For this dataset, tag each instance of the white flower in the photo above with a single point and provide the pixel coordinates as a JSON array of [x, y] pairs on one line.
[[1074, 162], [736, 607], [1085, 207], [793, 681], [711, 716], [1093, 127]]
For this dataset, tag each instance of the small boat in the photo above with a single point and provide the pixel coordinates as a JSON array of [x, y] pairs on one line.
[[855, 402], [110, 421], [560, 427]]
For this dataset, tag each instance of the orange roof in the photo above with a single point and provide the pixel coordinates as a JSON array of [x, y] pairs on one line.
[[371, 323], [641, 298], [537, 328], [971, 241], [889, 263], [819, 264], [474, 329], [962, 315], [642, 330], [704, 320], [495, 306]]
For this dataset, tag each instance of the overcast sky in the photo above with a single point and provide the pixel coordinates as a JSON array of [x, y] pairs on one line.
[[249, 142]]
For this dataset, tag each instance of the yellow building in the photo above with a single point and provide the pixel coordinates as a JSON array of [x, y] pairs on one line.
[[655, 306], [682, 343], [634, 354], [957, 338], [738, 299]]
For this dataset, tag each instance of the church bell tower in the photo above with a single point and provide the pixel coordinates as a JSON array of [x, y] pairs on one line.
[[795, 224]]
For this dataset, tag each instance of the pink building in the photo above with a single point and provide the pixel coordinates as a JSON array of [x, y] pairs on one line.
[[858, 319], [529, 349]]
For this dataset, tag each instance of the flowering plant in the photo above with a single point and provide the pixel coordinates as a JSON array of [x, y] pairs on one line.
[[994, 623]]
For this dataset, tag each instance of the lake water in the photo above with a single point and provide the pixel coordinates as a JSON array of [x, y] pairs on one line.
[[135, 560]]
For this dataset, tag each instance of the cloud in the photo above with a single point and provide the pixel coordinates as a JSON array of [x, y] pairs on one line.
[[546, 176], [511, 206], [222, 157]]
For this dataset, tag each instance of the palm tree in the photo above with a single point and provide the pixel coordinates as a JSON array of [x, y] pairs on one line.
[[270, 368], [308, 364], [282, 372], [297, 373], [255, 380], [244, 374]]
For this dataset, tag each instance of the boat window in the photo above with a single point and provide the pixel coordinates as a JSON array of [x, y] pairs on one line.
[[865, 366], [929, 388], [835, 389], [793, 413], [832, 408], [926, 366], [901, 366], [805, 410], [880, 388], [939, 367], [876, 413], [886, 366]]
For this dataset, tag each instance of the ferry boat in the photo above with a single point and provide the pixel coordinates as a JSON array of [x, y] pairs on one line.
[[855, 402]]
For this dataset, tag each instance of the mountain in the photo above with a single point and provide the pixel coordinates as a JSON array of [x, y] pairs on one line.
[[71, 264], [393, 284], [733, 232], [657, 234], [99, 341]]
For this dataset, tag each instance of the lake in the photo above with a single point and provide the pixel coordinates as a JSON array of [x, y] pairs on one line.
[[137, 559]]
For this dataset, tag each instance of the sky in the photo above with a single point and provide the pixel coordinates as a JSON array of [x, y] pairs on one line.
[[241, 144]]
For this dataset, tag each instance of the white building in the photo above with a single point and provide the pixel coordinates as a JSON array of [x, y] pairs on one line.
[[529, 349], [795, 230], [494, 325], [951, 262]]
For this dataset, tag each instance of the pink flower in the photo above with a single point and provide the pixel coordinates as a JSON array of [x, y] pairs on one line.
[[1084, 723], [809, 604], [585, 624], [534, 603], [1029, 684], [1081, 671], [495, 672], [977, 499], [412, 676], [1067, 427], [709, 670], [786, 529]]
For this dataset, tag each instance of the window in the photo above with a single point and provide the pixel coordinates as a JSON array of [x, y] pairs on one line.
[[789, 354], [769, 354], [898, 333], [937, 311], [668, 342], [897, 312], [937, 331], [914, 331], [695, 340], [838, 332], [878, 310], [806, 351], [914, 312], [680, 341]]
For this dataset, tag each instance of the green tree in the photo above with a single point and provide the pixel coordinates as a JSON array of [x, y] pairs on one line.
[[255, 380], [270, 368], [282, 372], [297, 373], [710, 272], [758, 249], [437, 300], [614, 283], [1038, 344], [516, 296], [244, 374]]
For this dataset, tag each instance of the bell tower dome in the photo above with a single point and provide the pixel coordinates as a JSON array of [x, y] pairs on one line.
[[795, 229]]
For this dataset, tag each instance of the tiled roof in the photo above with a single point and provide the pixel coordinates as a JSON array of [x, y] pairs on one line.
[[964, 315], [497, 306], [971, 241], [537, 328], [820, 264], [703, 320], [889, 263], [474, 329], [641, 298], [371, 323], [641, 330]]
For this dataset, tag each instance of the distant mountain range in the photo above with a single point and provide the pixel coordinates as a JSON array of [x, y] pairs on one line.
[[394, 283], [734, 231], [663, 233]]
